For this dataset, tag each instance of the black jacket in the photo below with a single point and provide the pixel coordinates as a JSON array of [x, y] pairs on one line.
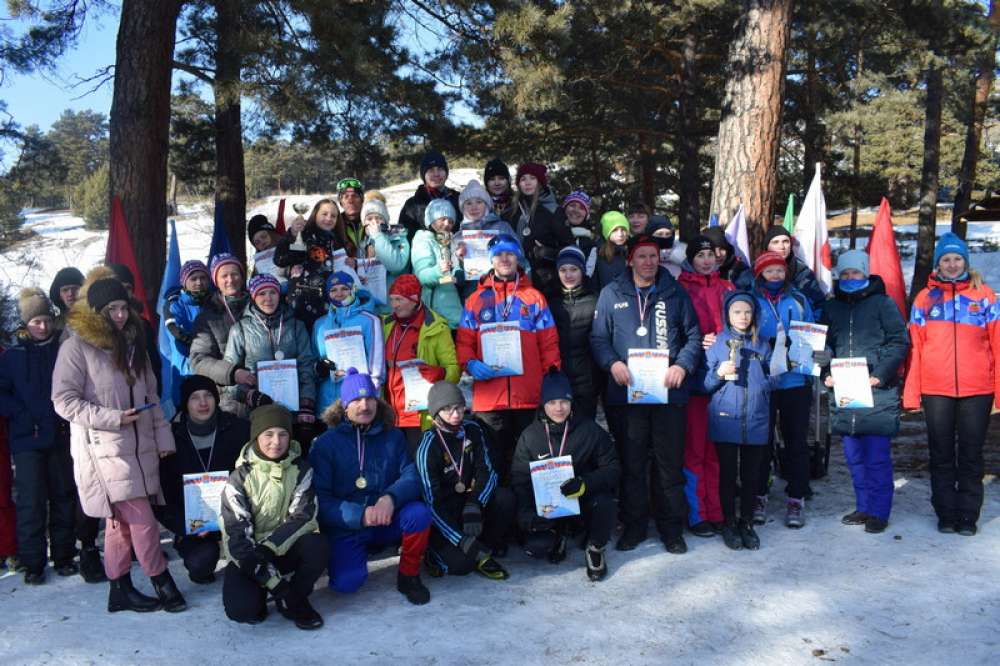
[[867, 323], [412, 214], [594, 460], [574, 315], [26, 394], [542, 227], [306, 291]]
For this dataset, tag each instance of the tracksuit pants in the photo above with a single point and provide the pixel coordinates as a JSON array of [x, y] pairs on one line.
[[655, 434], [701, 465], [869, 457], [8, 515], [957, 464], [598, 514], [742, 462], [790, 409], [46, 506], [498, 516]]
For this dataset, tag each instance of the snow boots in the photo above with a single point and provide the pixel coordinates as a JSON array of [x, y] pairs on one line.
[[413, 589], [760, 510], [168, 593], [795, 513], [124, 596], [597, 565], [91, 567]]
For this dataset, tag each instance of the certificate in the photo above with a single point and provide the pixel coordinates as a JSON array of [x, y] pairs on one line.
[[546, 477], [346, 348], [339, 259], [476, 261], [280, 380], [203, 501], [851, 386], [501, 343], [805, 338], [373, 276], [263, 263], [648, 368], [415, 387]]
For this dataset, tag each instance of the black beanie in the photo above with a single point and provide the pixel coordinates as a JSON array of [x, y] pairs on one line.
[[441, 395], [718, 236], [123, 273], [258, 223], [432, 158], [194, 383], [64, 278], [102, 292], [556, 386], [774, 232], [496, 167], [697, 244]]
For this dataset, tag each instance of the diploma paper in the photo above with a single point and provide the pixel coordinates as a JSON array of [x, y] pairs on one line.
[[805, 338], [501, 344], [280, 380], [346, 348], [648, 368], [373, 278], [476, 262], [851, 386], [263, 263], [203, 501], [546, 477], [415, 387]]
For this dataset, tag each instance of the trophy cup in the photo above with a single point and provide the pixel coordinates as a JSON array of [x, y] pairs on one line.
[[734, 353], [444, 239]]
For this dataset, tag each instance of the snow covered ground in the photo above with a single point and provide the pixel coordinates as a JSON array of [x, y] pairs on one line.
[[824, 593]]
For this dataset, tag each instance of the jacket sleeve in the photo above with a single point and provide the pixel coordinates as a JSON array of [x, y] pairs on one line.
[[446, 357], [169, 314], [407, 487], [333, 511], [467, 336], [993, 328], [604, 478], [425, 262], [285, 256], [301, 518], [547, 336], [713, 360], [520, 481], [394, 253], [689, 355], [600, 333], [10, 403], [306, 362], [895, 343], [486, 477], [236, 346], [68, 381], [206, 356], [237, 516], [918, 329], [430, 482]]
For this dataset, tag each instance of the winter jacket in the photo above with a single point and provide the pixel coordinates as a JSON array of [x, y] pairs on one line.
[[434, 346], [179, 314], [393, 250], [956, 342], [442, 298], [707, 293], [308, 270], [26, 394], [231, 434], [671, 323], [539, 341], [799, 275], [867, 324], [267, 502], [790, 305], [574, 314], [739, 410], [595, 459], [388, 470], [608, 271], [111, 463], [584, 239], [211, 334], [439, 475], [412, 214], [360, 313], [249, 343], [541, 234]]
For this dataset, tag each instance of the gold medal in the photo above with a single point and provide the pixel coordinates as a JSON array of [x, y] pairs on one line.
[[361, 483]]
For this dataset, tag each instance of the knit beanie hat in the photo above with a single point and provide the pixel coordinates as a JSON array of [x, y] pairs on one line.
[[374, 203], [220, 260], [258, 223], [437, 209], [105, 290], [432, 158], [258, 283], [32, 303], [406, 285], [190, 268], [441, 395], [635, 242], [612, 220], [699, 243], [718, 236], [556, 386], [496, 167], [572, 256], [775, 231], [194, 383], [339, 277], [856, 259], [505, 243], [579, 197], [535, 169], [64, 278], [267, 417], [356, 385], [123, 273], [475, 190], [950, 243], [657, 222], [766, 259]]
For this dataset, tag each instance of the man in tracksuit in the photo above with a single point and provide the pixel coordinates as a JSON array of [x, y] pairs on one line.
[[644, 308]]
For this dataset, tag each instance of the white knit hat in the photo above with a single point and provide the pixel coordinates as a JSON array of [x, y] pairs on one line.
[[475, 190]]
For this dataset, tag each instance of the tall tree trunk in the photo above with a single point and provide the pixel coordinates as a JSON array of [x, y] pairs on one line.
[[750, 130], [689, 143], [856, 175], [647, 168], [230, 177], [140, 129], [974, 129], [927, 217]]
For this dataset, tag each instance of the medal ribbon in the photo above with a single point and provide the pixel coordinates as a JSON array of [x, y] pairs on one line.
[[508, 304], [562, 445], [461, 459], [642, 305], [361, 454], [275, 345]]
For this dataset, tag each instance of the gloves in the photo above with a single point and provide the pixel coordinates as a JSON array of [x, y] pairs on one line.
[[255, 399], [281, 589], [324, 368], [573, 488], [822, 357], [480, 370], [263, 553], [472, 548], [472, 519], [432, 373]]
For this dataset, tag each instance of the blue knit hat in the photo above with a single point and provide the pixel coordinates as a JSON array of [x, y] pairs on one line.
[[505, 243], [261, 282], [437, 209], [573, 256], [556, 386], [950, 243], [852, 259], [344, 278], [356, 385]]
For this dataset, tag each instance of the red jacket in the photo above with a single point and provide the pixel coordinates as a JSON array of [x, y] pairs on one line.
[[707, 293], [539, 341], [955, 340]]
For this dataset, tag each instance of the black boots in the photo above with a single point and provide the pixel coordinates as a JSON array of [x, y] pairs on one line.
[[123, 596], [299, 611], [747, 535], [91, 568], [597, 565], [731, 535], [413, 589], [168, 593]]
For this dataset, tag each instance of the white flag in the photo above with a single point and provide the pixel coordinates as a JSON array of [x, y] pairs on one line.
[[736, 234], [812, 243]]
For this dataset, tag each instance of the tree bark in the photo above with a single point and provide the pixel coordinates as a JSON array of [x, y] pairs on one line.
[[230, 176], [927, 217], [140, 129], [750, 130], [689, 144]]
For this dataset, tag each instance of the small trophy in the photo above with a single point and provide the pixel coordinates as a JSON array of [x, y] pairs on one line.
[[734, 354], [300, 208], [444, 239]]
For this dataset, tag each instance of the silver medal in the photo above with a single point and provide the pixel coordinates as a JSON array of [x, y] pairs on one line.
[[641, 331], [279, 355], [459, 487], [526, 231]]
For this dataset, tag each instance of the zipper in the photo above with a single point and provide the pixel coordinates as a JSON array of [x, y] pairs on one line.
[[954, 331], [135, 431]]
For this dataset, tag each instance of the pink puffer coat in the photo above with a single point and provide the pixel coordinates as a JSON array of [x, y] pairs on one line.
[[111, 463]]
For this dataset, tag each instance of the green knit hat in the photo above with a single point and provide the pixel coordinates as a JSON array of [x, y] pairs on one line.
[[611, 221], [269, 416]]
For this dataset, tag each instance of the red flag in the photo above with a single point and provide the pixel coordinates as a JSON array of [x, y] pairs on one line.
[[120, 252], [279, 224], [884, 258]]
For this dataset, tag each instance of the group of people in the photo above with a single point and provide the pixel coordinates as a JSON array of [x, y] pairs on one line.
[[507, 322]]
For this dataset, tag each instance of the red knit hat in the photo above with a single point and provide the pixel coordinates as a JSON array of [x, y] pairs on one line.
[[768, 259], [641, 240], [533, 169], [407, 286]]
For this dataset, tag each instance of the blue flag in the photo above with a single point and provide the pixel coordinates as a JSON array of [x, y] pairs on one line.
[[713, 220], [220, 240], [171, 282]]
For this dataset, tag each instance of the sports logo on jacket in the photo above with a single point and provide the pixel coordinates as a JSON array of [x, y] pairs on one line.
[[621, 306], [660, 325]]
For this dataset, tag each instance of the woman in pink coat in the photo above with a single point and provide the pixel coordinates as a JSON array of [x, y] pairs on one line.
[[101, 384]]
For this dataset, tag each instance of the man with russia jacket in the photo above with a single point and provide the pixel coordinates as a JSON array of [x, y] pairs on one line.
[[645, 308], [559, 432]]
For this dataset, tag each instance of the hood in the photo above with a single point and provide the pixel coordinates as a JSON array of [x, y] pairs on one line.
[[335, 416], [741, 295], [875, 286], [65, 277], [547, 199], [363, 302], [93, 328], [689, 276]]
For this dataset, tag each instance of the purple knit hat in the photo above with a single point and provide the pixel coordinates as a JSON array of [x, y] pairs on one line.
[[220, 260], [356, 385], [264, 281], [190, 268], [579, 197]]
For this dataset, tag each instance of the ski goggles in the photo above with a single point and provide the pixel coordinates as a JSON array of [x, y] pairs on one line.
[[349, 184]]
